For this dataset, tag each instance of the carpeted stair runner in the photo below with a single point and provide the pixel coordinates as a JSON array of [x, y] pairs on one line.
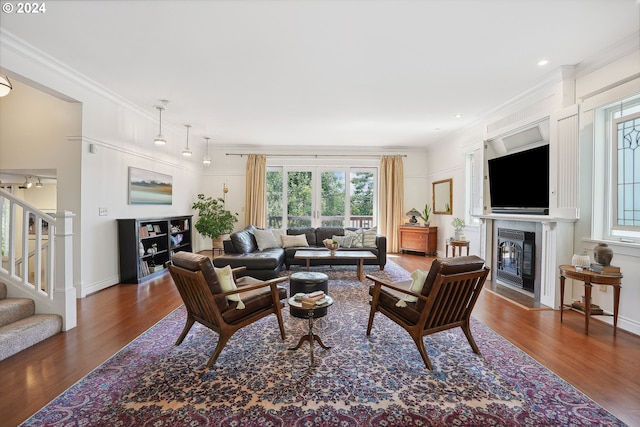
[[20, 327]]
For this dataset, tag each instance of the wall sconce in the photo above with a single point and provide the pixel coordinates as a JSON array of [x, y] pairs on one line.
[[187, 151], [206, 160], [5, 85]]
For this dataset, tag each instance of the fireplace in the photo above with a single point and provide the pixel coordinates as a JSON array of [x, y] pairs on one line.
[[516, 258]]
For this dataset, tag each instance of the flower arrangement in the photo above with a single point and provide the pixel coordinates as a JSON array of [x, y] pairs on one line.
[[458, 223], [331, 244]]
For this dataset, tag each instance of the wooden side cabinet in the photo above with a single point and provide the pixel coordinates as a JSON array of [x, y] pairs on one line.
[[145, 245], [416, 238]]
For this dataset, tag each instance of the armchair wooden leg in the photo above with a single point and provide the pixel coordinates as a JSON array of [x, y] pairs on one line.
[[222, 341], [280, 322], [374, 308], [423, 352], [186, 329], [467, 332]]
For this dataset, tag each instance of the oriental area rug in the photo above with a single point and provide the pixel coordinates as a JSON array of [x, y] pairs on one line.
[[360, 381]]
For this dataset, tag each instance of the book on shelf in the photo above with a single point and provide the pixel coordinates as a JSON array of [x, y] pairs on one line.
[[143, 232], [593, 309], [144, 269]]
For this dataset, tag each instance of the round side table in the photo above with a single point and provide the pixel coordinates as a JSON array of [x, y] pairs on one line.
[[307, 282], [456, 244]]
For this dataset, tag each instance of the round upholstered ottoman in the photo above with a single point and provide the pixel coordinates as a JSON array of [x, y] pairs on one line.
[[307, 282]]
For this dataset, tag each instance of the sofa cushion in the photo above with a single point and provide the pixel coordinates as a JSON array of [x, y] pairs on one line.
[[269, 259], [369, 238], [266, 239], [299, 241], [323, 233], [244, 241], [309, 232]]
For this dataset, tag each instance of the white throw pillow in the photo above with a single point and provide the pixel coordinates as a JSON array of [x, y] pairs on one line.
[[266, 239], [278, 233], [225, 278], [343, 241], [369, 239], [298, 240], [418, 278], [357, 237]]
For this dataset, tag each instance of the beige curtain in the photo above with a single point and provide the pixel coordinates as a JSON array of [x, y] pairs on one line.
[[391, 199], [256, 190]]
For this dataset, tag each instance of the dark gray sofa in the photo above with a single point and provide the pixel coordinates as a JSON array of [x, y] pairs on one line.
[[242, 250]]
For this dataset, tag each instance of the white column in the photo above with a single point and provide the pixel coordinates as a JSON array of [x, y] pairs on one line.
[[64, 298]]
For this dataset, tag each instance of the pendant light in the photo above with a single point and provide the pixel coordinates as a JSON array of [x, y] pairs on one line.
[[159, 140], [187, 151], [206, 161], [5, 85]]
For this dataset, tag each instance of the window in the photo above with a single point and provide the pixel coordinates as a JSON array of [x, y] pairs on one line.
[[626, 161], [320, 196], [622, 169]]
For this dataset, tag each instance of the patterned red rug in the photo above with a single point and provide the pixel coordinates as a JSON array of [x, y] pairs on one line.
[[360, 381]]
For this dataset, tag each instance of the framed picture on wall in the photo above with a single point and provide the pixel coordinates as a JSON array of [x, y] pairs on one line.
[[149, 188]]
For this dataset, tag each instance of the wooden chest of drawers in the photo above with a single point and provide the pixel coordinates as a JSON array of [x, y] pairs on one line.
[[416, 238]]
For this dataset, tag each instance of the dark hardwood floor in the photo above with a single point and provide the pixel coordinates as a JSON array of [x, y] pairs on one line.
[[602, 366]]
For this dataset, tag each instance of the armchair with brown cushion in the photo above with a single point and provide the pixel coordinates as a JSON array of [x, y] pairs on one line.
[[445, 301], [223, 312]]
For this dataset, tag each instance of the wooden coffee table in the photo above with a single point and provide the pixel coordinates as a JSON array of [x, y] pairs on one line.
[[358, 256]]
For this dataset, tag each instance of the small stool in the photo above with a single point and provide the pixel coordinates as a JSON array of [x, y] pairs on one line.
[[307, 282]]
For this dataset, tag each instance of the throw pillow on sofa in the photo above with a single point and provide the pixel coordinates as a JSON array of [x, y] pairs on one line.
[[343, 241], [267, 239], [363, 238], [297, 240]]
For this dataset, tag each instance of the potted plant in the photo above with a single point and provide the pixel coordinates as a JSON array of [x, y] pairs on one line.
[[426, 214], [214, 220], [458, 225]]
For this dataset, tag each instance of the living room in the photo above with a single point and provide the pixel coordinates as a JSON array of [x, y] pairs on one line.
[[58, 119], [86, 133]]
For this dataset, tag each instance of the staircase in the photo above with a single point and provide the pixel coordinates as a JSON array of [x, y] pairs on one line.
[[20, 327]]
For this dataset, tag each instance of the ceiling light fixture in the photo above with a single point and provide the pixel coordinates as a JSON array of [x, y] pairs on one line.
[[159, 140], [543, 62], [5, 85], [39, 183], [187, 151], [27, 183], [206, 160]]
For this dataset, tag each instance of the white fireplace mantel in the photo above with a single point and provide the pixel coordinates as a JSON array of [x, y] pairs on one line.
[[557, 248]]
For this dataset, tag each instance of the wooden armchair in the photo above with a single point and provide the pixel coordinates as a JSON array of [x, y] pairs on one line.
[[207, 304], [447, 298]]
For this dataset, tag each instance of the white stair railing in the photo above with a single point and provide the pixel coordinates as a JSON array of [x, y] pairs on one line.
[[37, 257]]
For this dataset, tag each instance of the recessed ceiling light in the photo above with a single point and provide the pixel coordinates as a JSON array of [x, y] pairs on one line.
[[543, 62], [436, 130], [458, 115]]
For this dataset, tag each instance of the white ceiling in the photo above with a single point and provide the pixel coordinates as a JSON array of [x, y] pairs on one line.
[[323, 73]]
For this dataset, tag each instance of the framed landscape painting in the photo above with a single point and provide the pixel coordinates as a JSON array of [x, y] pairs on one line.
[[149, 188]]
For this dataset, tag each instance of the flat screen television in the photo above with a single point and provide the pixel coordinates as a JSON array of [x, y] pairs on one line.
[[519, 182]]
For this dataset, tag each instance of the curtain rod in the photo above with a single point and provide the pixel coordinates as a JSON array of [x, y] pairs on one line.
[[359, 156]]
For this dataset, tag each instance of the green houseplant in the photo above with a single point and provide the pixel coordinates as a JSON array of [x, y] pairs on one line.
[[458, 225], [214, 220], [426, 214]]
